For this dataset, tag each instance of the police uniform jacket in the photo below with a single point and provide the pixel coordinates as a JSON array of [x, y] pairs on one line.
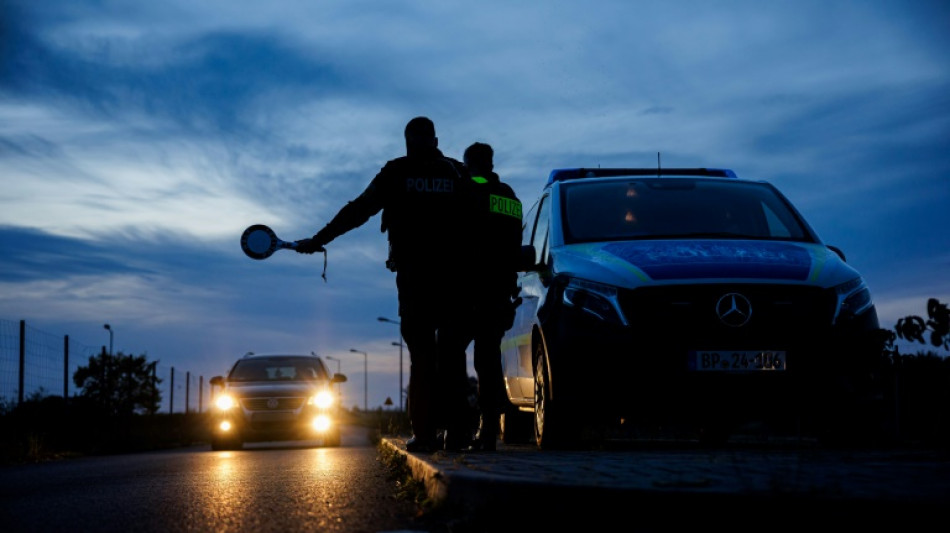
[[497, 240], [426, 207]]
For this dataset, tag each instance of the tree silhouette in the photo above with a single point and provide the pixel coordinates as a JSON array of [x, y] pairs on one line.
[[119, 384], [913, 328]]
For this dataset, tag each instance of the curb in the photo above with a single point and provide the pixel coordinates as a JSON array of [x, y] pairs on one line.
[[856, 486]]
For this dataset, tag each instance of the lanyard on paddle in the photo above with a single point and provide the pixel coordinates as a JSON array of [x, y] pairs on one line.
[[324, 275]]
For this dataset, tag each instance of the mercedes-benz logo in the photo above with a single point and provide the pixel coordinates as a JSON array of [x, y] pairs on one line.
[[734, 309], [272, 403]]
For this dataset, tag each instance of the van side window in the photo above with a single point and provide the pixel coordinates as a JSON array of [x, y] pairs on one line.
[[527, 228], [540, 238]]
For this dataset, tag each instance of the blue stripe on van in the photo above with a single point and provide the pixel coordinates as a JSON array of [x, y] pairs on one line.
[[665, 260]]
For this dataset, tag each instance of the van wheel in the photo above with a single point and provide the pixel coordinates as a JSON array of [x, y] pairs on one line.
[[551, 423]]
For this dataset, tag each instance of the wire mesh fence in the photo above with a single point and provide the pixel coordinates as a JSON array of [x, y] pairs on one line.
[[36, 363]]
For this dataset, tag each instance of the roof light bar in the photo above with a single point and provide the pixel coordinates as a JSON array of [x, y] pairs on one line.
[[563, 174]]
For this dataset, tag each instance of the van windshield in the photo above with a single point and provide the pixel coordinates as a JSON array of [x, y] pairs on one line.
[[676, 208]]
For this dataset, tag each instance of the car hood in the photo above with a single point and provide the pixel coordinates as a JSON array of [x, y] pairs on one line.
[[635, 263], [273, 389]]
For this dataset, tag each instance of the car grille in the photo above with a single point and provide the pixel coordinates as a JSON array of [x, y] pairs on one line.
[[260, 404], [782, 315]]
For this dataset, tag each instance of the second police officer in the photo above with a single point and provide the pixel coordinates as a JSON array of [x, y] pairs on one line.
[[496, 249]]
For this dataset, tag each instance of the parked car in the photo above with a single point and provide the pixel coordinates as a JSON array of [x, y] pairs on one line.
[[687, 295], [275, 397]]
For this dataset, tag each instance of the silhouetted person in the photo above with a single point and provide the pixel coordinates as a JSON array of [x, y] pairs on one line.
[[496, 249], [424, 197]]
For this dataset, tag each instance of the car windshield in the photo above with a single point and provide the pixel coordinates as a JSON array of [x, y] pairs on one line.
[[276, 369], [657, 208]]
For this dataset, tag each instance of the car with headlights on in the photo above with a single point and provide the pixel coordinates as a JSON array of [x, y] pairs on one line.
[[682, 296], [271, 397]]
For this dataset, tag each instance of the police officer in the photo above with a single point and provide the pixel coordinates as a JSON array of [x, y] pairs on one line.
[[497, 247], [424, 197]]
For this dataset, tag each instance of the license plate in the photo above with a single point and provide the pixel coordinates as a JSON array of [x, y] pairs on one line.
[[736, 361], [277, 416]]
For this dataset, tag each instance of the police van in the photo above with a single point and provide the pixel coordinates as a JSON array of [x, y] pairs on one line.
[[681, 295]]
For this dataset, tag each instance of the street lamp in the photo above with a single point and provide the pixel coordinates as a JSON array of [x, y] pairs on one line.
[[108, 327], [391, 321], [331, 358], [365, 378]]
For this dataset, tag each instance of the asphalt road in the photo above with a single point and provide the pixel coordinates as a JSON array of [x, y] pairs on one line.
[[291, 487], [283, 487]]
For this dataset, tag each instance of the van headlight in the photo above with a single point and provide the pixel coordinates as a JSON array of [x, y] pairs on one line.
[[595, 299], [854, 298]]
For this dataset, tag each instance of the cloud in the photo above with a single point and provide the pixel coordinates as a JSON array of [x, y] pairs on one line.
[[138, 141], [31, 255]]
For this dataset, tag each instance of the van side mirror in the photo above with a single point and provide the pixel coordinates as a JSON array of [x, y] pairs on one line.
[[526, 262], [216, 381], [838, 251], [338, 378]]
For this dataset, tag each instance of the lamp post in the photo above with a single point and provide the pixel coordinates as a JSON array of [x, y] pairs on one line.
[[129, 373], [402, 401], [365, 378], [400, 344], [339, 386], [108, 327]]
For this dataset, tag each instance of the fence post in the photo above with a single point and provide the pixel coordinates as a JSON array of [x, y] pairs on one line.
[[65, 368], [171, 394], [201, 390], [22, 359], [187, 389]]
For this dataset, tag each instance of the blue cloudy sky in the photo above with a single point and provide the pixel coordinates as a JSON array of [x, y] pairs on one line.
[[138, 140]]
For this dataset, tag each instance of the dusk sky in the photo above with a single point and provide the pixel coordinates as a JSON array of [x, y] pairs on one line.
[[139, 139]]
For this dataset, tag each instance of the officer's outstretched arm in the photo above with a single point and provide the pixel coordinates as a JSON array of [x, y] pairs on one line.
[[353, 215], [308, 246]]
